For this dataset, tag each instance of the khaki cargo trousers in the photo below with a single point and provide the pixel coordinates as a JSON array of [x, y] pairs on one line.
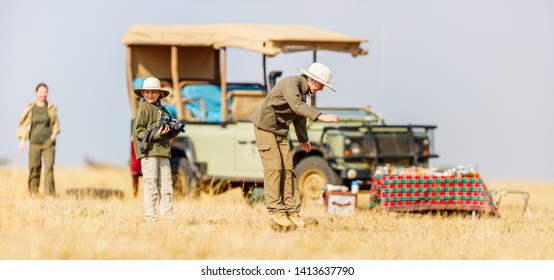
[[37, 153], [280, 188], [156, 175]]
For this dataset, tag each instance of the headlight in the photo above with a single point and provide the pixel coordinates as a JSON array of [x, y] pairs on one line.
[[351, 174], [352, 147], [356, 149]]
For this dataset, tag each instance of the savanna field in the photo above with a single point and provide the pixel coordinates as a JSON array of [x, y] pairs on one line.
[[227, 227]]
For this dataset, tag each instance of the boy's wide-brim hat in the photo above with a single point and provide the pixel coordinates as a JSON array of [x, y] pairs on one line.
[[151, 84], [319, 72]]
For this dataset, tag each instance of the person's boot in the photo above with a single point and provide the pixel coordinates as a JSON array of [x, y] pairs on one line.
[[281, 219], [297, 220]]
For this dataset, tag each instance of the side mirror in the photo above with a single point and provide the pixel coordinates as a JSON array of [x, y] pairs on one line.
[[273, 76]]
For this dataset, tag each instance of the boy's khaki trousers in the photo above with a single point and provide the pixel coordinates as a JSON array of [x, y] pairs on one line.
[[280, 188], [156, 174]]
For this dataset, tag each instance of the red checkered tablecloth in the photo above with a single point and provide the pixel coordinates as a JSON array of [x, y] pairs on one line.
[[423, 193]]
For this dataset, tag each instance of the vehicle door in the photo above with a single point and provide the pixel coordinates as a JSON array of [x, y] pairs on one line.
[[247, 159]]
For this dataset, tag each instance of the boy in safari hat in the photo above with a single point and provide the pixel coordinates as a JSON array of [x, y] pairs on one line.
[[152, 148], [286, 104]]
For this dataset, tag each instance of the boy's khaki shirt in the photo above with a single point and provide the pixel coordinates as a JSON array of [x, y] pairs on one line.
[[147, 118], [286, 104]]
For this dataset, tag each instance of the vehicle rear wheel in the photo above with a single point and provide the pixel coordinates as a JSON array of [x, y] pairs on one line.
[[184, 181], [313, 173]]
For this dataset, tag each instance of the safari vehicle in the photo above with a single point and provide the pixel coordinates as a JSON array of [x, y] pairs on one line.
[[219, 143]]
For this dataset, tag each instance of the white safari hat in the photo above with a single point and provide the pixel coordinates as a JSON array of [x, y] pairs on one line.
[[151, 84], [320, 73]]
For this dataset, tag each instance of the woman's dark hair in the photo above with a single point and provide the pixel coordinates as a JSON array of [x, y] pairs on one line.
[[41, 85]]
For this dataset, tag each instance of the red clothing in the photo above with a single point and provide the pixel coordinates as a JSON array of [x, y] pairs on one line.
[[136, 167]]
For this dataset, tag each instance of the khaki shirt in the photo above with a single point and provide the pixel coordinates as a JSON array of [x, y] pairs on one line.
[[147, 118], [286, 104], [25, 123]]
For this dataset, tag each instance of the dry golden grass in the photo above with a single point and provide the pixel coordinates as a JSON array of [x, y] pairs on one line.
[[226, 227]]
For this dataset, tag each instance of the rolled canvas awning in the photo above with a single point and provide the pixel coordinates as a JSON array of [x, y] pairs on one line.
[[262, 38]]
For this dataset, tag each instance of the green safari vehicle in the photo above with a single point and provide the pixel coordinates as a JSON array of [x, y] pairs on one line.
[[219, 144]]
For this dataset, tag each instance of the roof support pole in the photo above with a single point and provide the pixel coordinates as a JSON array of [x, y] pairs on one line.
[[223, 77], [312, 97], [265, 73], [132, 97], [175, 81]]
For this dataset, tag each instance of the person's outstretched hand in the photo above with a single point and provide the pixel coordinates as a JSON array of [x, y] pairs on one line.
[[328, 118]]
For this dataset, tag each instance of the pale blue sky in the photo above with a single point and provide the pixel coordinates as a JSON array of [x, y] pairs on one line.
[[480, 70]]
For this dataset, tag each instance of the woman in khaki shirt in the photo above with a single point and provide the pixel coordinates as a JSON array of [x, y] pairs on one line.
[[39, 123]]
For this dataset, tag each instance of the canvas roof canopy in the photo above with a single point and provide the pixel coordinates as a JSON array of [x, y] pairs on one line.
[[262, 38]]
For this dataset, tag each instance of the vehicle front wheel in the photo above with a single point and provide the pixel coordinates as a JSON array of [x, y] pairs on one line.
[[313, 173]]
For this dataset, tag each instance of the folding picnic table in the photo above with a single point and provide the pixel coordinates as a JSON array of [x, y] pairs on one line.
[[403, 193]]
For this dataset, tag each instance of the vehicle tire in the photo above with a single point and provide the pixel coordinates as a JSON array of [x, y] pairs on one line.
[[312, 174], [184, 181]]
